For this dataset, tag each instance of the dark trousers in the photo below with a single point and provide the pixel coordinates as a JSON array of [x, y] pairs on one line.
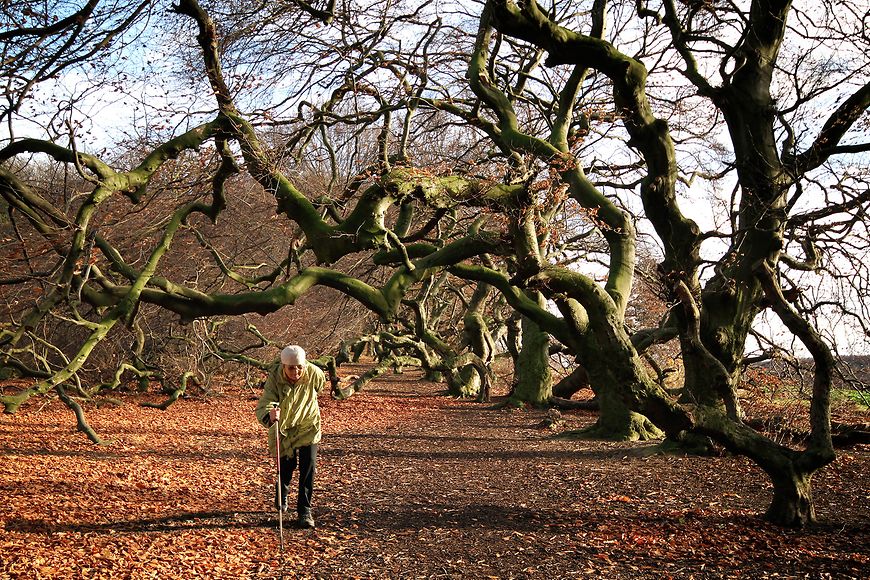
[[306, 459]]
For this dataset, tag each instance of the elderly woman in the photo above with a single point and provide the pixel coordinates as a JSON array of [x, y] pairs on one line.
[[289, 404]]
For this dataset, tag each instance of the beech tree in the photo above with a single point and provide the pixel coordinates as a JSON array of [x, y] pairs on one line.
[[740, 47]]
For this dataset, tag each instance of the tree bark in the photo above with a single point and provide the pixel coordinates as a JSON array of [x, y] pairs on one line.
[[533, 378], [792, 504], [616, 422], [578, 379], [175, 394], [81, 421]]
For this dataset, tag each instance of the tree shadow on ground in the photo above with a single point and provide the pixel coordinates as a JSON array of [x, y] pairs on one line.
[[179, 522], [471, 456], [100, 453], [400, 518]]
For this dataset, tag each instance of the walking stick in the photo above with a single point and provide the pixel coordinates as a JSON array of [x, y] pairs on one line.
[[279, 486]]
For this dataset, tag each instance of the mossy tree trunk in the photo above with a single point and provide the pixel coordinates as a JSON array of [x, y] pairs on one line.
[[533, 378], [618, 423], [620, 384], [478, 339]]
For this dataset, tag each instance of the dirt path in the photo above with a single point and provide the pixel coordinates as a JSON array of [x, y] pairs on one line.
[[410, 485]]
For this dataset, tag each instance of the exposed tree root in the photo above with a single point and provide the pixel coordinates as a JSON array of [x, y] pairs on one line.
[[637, 428], [687, 444]]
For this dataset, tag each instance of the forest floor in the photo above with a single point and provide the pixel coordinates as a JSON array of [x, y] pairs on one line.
[[410, 484]]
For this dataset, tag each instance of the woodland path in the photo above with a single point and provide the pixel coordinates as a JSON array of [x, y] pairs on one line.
[[411, 484]]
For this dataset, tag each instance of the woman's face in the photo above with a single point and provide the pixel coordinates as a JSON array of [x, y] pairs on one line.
[[293, 373]]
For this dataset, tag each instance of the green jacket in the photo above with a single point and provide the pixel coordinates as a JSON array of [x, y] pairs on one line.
[[300, 413]]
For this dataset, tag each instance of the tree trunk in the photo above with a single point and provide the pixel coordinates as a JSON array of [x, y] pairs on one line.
[[620, 383], [617, 423], [466, 383], [476, 335], [533, 378], [792, 503], [513, 339]]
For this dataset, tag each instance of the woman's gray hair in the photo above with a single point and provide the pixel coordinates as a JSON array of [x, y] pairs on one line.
[[293, 355]]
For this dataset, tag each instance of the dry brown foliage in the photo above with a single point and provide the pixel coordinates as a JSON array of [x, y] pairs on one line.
[[411, 484]]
